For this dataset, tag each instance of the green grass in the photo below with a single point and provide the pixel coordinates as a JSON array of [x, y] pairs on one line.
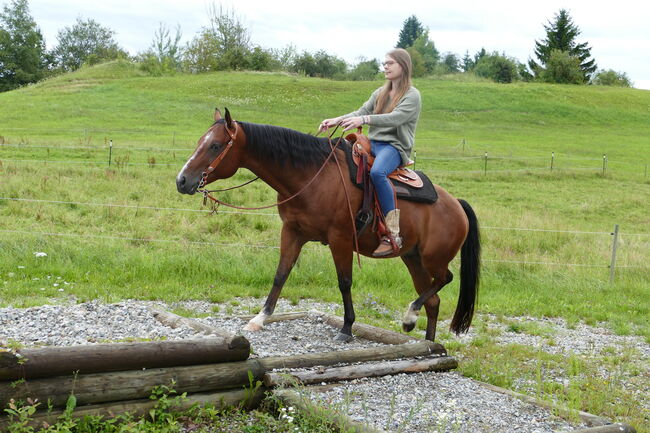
[[112, 253]]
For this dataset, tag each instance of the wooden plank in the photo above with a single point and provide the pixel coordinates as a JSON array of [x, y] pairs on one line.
[[278, 317], [175, 321], [342, 422], [57, 361], [336, 374], [221, 400], [563, 412], [609, 428], [133, 384], [410, 350]]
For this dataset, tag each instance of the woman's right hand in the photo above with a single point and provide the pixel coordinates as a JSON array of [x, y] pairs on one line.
[[328, 123]]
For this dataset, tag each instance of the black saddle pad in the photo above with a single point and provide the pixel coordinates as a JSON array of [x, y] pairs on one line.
[[426, 194]]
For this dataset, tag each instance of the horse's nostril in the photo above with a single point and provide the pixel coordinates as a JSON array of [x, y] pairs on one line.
[[182, 180]]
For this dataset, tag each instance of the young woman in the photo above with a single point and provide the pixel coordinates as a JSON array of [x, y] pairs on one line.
[[392, 114]]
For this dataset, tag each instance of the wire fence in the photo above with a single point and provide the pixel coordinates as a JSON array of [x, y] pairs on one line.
[[612, 265]]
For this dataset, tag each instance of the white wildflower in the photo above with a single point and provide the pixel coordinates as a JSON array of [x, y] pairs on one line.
[[40, 254]]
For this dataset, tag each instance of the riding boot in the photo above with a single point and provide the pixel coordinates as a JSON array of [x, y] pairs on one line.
[[390, 245]]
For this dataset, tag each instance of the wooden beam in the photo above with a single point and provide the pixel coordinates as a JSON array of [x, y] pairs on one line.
[[279, 317], [93, 358], [336, 374], [409, 350], [222, 399], [175, 321]]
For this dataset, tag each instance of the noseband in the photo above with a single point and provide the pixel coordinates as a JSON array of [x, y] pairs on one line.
[[221, 156]]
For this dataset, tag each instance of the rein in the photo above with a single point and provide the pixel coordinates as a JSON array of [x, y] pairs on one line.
[[216, 202]]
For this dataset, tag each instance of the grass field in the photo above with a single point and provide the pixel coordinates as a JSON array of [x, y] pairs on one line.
[[124, 232]]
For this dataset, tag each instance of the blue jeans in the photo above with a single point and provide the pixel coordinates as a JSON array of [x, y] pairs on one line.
[[387, 159]]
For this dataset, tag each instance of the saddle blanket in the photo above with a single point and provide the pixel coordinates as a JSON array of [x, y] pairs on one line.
[[426, 194]]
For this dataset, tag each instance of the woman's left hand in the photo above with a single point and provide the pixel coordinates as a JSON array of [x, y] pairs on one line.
[[351, 123]]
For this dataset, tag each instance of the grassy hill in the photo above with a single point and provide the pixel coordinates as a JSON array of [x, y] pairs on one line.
[[123, 231]]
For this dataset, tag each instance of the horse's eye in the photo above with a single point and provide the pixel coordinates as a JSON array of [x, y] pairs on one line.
[[215, 146]]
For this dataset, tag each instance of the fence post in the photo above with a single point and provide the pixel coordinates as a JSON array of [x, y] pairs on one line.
[[552, 159], [415, 158], [110, 152], [612, 265], [485, 169], [604, 163], [174, 139]]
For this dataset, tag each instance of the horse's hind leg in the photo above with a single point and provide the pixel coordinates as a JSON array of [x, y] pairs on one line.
[[290, 247], [428, 288]]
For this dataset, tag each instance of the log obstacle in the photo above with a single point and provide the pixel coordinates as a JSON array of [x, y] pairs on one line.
[[31, 363]]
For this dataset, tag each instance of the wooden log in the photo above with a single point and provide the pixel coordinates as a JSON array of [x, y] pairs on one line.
[[136, 384], [380, 335], [340, 421], [278, 317], [132, 385], [175, 321], [563, 412], [609, 428], [336, 374], [57, 361], [421, 348], [220, 400]]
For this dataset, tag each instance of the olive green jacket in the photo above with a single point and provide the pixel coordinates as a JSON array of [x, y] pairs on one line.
[[396, 127]]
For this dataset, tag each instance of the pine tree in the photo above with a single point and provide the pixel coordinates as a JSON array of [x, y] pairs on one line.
[[411, 30], [22, 49], [561, 35]]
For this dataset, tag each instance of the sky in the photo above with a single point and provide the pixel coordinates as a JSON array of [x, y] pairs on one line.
[[617, 32]]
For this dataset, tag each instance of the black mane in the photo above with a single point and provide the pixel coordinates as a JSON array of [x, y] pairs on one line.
[[285, 146]]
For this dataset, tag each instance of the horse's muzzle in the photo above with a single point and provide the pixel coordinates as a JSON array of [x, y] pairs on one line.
[[185, 185]]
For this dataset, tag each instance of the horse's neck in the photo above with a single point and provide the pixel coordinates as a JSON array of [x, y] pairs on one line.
[[286, 180]]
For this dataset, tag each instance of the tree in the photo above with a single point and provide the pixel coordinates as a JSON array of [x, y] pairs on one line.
[[451, 63], [224, 44], [320, 64], [22, 47], [497, 67], [610, 77], [364, 70], [165, 54], [562, 68], [561, 35], [86, 41], [428, 50], [467, 63], [411, 30]]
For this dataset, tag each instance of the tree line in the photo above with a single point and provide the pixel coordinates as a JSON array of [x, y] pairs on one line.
[[225, 44]]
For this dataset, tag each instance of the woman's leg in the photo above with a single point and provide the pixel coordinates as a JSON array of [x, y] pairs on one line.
[[387, 159]]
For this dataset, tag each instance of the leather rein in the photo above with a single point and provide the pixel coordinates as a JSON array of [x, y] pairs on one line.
[[216, 202]]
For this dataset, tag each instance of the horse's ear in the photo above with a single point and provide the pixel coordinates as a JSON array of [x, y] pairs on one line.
[[217, 115], [228, 119]]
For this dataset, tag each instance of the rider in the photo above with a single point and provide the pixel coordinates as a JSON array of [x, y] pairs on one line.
[[392, 115]]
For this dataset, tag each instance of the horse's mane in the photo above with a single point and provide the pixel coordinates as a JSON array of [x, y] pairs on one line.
[[285, 146]]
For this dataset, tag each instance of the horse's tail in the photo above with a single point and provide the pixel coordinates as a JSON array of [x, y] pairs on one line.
[[470, 271]]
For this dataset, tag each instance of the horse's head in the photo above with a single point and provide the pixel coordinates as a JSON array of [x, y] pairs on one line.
[[217, 155]]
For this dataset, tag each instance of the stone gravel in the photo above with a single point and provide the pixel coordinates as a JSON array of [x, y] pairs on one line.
[[422, 402]]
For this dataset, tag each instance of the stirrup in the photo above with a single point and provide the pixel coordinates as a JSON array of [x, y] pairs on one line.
[[388, 246]]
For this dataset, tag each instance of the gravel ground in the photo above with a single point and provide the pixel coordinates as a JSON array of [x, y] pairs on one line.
[[420, 402]]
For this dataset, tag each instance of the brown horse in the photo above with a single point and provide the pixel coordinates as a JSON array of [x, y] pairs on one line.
[[287, 160]]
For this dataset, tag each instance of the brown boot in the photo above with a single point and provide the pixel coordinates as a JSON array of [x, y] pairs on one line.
[[386, 247]]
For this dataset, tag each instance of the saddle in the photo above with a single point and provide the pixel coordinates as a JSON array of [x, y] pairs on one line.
[[361, 150]]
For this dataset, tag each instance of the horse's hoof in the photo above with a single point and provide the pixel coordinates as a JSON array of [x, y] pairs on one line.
[[343, 338], [252, 327], [408, 327]]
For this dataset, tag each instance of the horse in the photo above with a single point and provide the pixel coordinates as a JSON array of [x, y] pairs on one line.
[[314, 198]]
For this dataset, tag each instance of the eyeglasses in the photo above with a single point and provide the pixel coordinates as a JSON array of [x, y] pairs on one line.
[[389, 63]]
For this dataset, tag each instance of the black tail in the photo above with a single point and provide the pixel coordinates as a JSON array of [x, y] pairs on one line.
[[470, 272]]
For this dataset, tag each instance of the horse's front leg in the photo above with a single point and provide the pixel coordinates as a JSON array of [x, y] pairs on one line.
[[290, 246], [342, 256]]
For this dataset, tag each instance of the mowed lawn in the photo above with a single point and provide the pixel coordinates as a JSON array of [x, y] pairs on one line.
[[122, 231]]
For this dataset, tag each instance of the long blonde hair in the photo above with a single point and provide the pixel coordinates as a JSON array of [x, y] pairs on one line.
[[403, 58]]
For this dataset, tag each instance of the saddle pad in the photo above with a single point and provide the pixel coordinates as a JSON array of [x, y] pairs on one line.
[[426, 194]]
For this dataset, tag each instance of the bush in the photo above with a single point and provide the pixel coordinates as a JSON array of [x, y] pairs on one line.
[[497, 67], [610, 77], [562, 68], [320, 64], [365, 70]]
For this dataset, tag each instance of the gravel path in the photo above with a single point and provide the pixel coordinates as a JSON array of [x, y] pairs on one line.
[[423, 402]]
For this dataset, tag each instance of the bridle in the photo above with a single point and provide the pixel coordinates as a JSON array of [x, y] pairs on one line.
[[220, 157]]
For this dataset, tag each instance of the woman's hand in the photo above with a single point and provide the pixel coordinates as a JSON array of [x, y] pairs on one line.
[[352, 123], [328, 123]]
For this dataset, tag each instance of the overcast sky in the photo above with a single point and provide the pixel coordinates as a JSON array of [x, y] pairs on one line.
[[618, 32]]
